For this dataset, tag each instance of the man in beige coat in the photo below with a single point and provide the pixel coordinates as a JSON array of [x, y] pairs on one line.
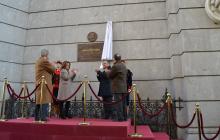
[[43, 68]]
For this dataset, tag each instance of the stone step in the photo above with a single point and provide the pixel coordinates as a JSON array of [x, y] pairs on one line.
[[56, 129], [144, 130], [148, 134], [161, 136]]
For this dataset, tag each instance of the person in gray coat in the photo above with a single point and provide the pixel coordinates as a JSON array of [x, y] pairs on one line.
[[118, 75], [65, 88]]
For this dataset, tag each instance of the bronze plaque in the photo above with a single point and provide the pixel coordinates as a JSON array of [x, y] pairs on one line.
[[90, 52]]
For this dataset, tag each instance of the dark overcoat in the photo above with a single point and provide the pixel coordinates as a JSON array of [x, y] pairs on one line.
[[105, 84]]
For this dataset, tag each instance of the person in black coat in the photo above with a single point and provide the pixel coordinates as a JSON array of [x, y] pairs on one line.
[[129, 85], [105, 88]]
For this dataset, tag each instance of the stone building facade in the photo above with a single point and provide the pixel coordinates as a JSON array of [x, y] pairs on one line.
[[169, 44]]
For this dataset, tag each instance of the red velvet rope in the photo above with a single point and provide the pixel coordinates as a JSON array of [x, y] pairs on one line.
[[64, 99], [107, 103], [202, 128], [12, 94], [182, 126], [19, 96], [146, 113], [31, 100]]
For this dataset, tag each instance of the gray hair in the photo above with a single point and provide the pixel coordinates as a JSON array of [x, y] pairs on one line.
[[44, 52]]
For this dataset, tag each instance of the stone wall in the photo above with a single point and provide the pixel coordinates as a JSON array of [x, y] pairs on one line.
[[166, 43], [140, 35], [194, 60], [13, 25]]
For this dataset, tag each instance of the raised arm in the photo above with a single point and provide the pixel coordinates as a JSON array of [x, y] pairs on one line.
[[48, 66], [64, 75], [113, 73]]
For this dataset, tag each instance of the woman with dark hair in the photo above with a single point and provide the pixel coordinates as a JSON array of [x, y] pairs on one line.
[[66, 78]]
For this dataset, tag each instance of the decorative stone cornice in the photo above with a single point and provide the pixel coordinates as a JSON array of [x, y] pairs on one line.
[[212, 8]]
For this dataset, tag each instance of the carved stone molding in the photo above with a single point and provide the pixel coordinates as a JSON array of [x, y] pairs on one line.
[[212, 8]]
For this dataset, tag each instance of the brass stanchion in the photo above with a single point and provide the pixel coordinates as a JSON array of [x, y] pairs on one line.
[[24, 101], [199, 120], [135, 134], [42, 84], [169, 102], [2, 117], [85, 84]]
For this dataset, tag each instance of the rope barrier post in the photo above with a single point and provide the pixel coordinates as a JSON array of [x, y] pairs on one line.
[[42, 84], [85, 85], [2, 115], [199, 120], [169, 104], [134, 92], [24, 101]]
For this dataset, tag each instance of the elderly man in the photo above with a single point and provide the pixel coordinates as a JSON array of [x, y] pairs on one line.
[[43, 68], [118, 75]]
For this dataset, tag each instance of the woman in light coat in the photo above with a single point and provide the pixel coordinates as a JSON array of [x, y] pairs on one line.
[[65, 89]]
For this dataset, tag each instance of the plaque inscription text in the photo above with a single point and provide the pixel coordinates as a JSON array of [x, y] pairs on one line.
[[90, 52]]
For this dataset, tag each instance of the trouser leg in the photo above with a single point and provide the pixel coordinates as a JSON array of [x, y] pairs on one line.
[[124, 109], [61, 110], [37, 112], [67, 106], [107, 107], [44, 113], [119, 107]]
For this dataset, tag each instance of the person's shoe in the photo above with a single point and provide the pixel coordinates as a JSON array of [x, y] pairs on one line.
[[36, 119], [63, 117], [44, 120], [120, 120], [107, 117], [125, 119], [69, 116]]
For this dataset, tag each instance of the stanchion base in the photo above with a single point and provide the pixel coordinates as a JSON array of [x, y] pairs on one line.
[[3, 120], [136, 135], [40, 122], [84, 123], [20, 118]]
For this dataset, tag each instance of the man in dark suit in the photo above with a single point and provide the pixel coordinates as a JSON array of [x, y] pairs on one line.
[[118, 75], [105, 90]]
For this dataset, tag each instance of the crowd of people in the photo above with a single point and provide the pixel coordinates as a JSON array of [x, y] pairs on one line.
[[115, 84]]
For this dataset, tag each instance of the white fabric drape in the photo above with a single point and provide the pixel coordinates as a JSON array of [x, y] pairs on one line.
[[107, 48]]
